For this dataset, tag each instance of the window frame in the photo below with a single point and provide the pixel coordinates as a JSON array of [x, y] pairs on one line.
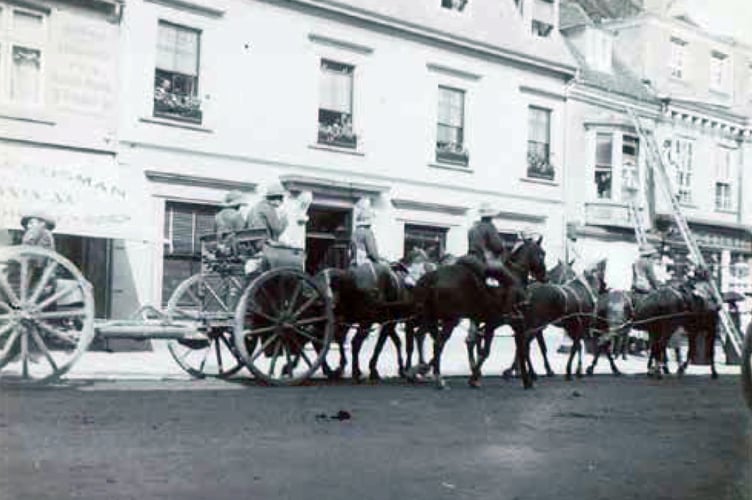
[[190, 111], [604, 167], [10, 39], [725, 177], [453, 152], [682, 157], [338, 135], [677, 59], [413, 231], [548, 172], [719, 68]]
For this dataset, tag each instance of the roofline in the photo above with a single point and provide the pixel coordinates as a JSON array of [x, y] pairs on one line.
[[698, 30], [382, 21]]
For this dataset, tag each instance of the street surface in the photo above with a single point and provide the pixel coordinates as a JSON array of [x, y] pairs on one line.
[[595, 438]]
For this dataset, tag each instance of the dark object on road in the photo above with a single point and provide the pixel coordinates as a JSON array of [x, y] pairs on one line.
[[340, 415]]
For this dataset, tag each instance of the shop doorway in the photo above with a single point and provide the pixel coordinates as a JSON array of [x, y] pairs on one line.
[[327, 238]]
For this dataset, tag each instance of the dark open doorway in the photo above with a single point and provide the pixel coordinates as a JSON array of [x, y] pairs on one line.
[[327, 238]]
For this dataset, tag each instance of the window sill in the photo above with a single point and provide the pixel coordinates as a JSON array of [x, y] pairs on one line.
[[449, 166], [731, 211], [25, 114], [336, 149], [176, 123], [536, 180]]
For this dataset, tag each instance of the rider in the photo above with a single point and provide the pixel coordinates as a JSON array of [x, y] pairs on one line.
[[266, 215], [644, 279], [702, 288], [229, 220], [365, 253], [485, 244]]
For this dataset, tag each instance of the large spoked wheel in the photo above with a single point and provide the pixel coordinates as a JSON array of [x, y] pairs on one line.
[[747, 366], [207, 303], [283, 326], [46, 314]]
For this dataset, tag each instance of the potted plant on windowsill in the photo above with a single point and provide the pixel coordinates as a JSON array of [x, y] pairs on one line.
[[539, 167], [337, 134], [451, 152], [182, 107]]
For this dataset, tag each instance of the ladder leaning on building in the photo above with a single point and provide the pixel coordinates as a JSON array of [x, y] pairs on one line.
[[655, 161]]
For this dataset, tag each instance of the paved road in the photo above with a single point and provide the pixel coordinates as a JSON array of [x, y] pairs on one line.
[[602, 437]]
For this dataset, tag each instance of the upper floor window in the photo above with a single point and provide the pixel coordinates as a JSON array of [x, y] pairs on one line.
[[724, 175], [458, 5], [681, 156], [450, 133], [678, 56], [539, 144], [541, 29], [22, 35], [630, 172], [719, 68], [604, 178], [177, 73], [336, 104]]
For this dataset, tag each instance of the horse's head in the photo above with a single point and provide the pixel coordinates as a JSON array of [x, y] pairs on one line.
[[528, 255], [596, 277]]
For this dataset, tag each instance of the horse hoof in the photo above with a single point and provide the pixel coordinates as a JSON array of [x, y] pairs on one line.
[[550, 373], [357, 377], [527, 385], [507, 374], [714, 375], [589, 371], [442, 385], [474, 383], [578, 374], [617, 373], [374, 377], [568, 377]]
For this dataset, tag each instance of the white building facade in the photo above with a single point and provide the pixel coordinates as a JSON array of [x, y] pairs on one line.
[[428, 108]]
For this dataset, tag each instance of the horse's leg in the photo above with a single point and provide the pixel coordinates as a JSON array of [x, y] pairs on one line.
[[572, 352], [392, 333], [372, 364], [470, 343], [713, 373], [580, 341], [485, 350], [522, 346], [664, 367], [614, 368], [596, 355], [544, 351], [357, 343], [446, 331], [409, 346]]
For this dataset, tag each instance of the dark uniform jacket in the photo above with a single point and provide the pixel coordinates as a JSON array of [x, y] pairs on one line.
[[643, 275], [264, 215], [484, 241]]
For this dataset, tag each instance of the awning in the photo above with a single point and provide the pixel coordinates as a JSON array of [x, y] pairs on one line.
[[87, 193]]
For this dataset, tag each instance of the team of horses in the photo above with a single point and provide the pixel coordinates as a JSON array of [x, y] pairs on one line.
[[456, 289]]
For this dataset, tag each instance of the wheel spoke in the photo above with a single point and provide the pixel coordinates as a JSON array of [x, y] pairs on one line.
[[11, 341], [73, 313], [40, 343], [196, 300], [288, 359], [306, 305], [310, 321], [303, 354], [203, 360], [216, 297], [46, 275], [263, 347], [261, 313], [275, 355], [7, 327], [226, 342], [56, 296], [24, 278], [269, 302], [262, 330], [5, 306], [55, 332], [25, 354], [8, 290], [307, 335], [294, 296]]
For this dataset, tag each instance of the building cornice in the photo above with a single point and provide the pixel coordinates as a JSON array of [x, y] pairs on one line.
[[197, 181], [422, 206], [613, 102], [427, 33], [191, 6]]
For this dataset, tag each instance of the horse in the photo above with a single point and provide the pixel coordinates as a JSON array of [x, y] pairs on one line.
[[389, 303], [456, 291], [662, 311], [571, 306]]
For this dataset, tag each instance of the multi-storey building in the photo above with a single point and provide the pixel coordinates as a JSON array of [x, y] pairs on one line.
[[58, 121], [691, 88], [428, 107]]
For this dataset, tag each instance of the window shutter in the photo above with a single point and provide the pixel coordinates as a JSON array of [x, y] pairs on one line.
[[182, 231]]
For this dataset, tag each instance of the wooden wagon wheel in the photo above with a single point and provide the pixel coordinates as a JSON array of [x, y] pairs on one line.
[[207, 301], [747, 366], [46, 314], [283, 326]]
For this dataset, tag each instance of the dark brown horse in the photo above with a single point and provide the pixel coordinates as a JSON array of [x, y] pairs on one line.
[[571, 306], [454, 292]]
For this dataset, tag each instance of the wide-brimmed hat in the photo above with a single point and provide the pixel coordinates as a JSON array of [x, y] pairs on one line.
[[648, 250], [233, 199], [529, 233], [38, 214], [486, 210], [275, 190]]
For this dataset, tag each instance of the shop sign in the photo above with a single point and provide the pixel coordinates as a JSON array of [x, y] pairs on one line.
[[87, 194]]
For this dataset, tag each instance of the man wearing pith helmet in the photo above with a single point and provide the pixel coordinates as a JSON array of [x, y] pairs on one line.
[[485, 244], [644, 279], [266, 214], [38, 226], [229, 220]]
